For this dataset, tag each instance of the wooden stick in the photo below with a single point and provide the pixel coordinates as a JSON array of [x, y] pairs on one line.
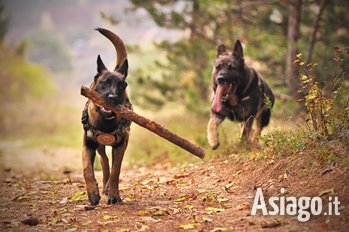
[[154, 127]]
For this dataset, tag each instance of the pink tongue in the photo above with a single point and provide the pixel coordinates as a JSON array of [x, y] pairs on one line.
[[217, 100]]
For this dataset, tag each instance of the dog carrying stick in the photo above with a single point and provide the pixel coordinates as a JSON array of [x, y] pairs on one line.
[[154, 127]]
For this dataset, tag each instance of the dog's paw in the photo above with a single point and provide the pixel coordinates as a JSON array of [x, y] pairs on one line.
[[215, 146], [114, 200], [94, 198]]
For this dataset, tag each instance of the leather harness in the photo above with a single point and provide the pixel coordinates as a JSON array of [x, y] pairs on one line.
[[111, 138]]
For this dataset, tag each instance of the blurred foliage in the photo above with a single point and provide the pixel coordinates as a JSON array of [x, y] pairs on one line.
[[22, 87], [47, 49], [21, 81], [262, 26]]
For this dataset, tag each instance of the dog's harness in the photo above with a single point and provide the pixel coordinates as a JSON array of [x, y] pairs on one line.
[[247, 89], [112, 138], [260, 86], [109, 139]]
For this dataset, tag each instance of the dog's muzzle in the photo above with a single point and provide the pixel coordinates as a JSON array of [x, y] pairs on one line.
[[226, 80]]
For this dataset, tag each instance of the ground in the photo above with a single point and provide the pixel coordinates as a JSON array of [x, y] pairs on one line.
[[212, 195]]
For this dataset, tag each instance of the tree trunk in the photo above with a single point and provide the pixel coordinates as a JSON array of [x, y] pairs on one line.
[[292, 79], [316, 29]]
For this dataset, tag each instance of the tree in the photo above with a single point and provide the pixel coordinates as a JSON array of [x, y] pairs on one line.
[[292, 50], [272, 30], [189, 61], [4, 20], [316, 29]]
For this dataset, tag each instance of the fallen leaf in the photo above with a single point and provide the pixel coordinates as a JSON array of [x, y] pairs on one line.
[[108, 217], [20, 198], [214, 210], [228, 187], [189, 206], [181, 199], [64, 220], [271, 224], [181, 176], [222, 200], [149, 219], [238, 172], [160, 212], [64, 200], [323, 192], [193, 218], [220, 229], [187, 226], [79, 195], [175, 210], [243, 206], [202, 190], [144, 212], [72, 229], [327, 170], [251, 223], [205, 218]]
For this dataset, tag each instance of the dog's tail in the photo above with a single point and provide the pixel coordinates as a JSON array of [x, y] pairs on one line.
[[118, 44]]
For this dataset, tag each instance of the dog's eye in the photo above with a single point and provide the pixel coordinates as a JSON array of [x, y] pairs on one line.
[[122, 85], [107, 82], [218, 66]]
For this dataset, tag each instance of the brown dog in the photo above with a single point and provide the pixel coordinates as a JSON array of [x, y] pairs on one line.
[[102, 127], [239, 93]]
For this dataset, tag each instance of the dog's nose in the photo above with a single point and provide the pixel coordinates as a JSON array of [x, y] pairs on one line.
[[112, 97], [221, 79]]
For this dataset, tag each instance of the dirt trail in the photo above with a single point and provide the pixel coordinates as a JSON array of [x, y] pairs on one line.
[[215, 195]]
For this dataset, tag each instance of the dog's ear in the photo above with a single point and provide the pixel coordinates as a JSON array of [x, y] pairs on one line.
[[100, 65], [123, 68], [221, 49], [238, 52]]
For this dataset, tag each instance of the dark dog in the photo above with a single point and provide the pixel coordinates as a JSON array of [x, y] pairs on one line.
[[102, 127], [240, 94]]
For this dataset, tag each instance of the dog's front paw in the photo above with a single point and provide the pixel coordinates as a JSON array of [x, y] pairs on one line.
[[114, 200], [215, 146], [94, 198]]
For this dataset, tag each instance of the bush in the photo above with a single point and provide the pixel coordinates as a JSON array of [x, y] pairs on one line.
[[20, 80], [325, 134]]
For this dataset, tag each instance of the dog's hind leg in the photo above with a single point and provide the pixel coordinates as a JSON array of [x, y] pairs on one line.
[[262, 120], [246, 129], [105, 168], [212, 130], [117, 156], [88, 157]]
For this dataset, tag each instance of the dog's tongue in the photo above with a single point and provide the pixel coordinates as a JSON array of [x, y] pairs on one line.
[[217, 99]]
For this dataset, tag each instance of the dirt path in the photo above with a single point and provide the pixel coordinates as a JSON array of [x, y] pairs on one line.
[[215, 195]]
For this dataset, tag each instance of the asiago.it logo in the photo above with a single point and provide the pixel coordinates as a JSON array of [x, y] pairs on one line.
[[303, 207]]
